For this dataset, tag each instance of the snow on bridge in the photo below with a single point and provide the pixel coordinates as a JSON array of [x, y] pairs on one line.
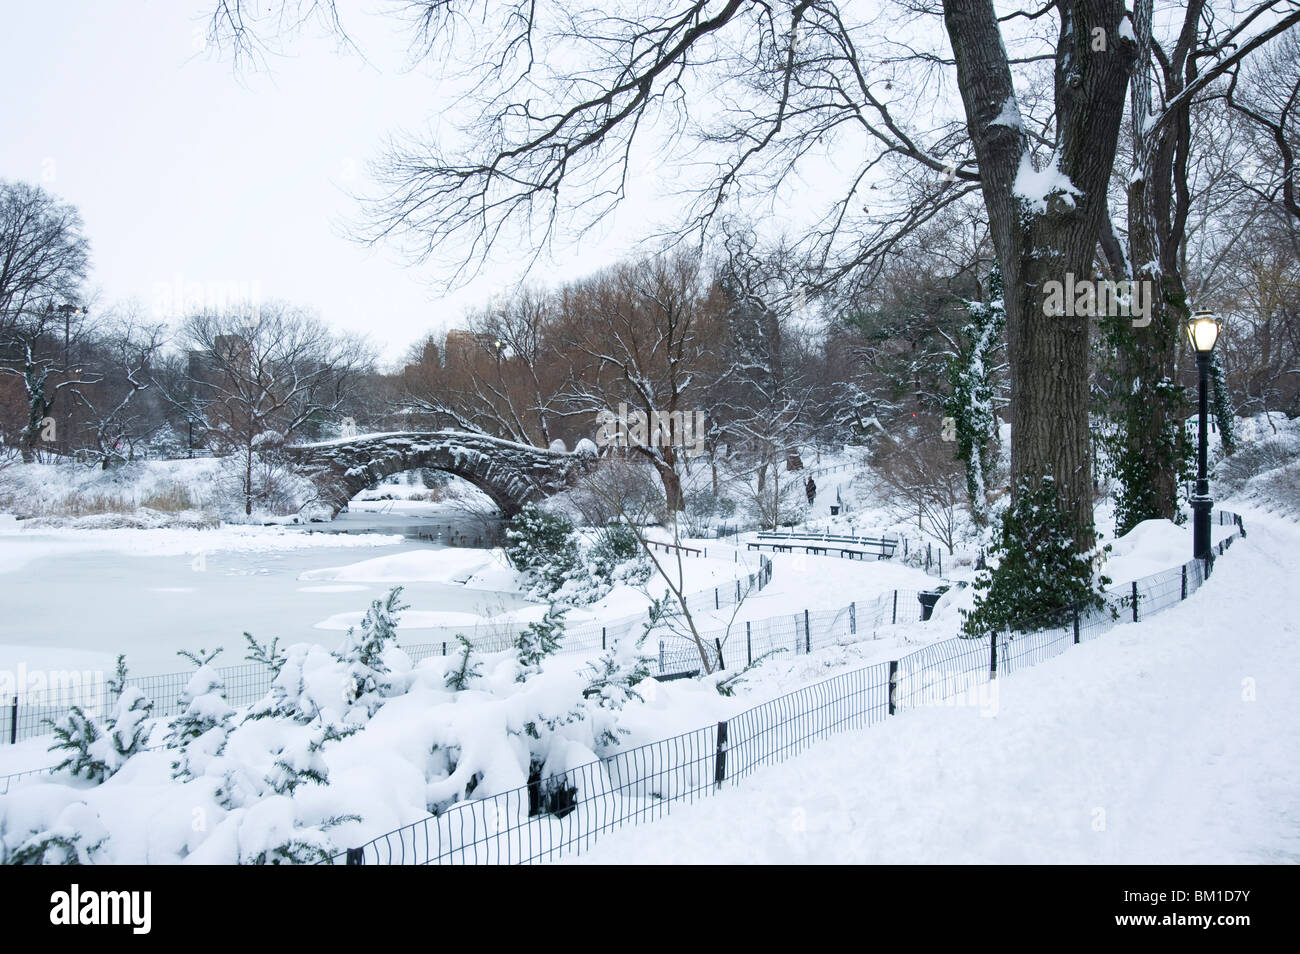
[[511, 474]]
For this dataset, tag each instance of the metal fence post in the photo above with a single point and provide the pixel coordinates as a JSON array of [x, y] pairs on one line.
[[1076, 626], [738, 591], [853, 618], [893, 684], [1135, 601], [720, 757], [807, 634], [661, 655], [895, 618], [993, 654], [1184, 596], [749, 646], [13, 722], [356, 856], [716, 604], [444, 648], [602, 637]]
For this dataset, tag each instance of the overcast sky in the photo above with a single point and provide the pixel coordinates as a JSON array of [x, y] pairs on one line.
[[190, 176]]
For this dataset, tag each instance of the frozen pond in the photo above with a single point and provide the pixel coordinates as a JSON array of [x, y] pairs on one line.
[[69, 604]]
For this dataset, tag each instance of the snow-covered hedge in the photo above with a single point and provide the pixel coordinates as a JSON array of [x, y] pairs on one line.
[[346, 745]]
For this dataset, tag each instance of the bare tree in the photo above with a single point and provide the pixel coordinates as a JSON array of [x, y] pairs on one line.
[[922, 478], [43, 261], [268, 377], [114, 422], [499, 376], [642, 335]]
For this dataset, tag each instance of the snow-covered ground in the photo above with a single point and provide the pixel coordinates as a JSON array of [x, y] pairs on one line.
[[1056, 755], [1172, 740]]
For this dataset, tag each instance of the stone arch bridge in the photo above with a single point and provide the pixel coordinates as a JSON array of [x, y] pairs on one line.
[[511, 474]]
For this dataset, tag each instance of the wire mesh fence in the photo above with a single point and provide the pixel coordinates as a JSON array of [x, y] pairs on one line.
[[567, 812], [745, 642]]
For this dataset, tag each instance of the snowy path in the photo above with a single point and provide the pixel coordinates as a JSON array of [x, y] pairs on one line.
[[1143, 746]]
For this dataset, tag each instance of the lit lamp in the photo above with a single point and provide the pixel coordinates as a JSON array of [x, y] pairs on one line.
[[1202, 333]]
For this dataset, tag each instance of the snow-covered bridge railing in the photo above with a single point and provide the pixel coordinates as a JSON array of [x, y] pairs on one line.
[[511, 474], [566, 813]]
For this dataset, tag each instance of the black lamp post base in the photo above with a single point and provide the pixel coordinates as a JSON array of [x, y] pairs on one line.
[[1201, 507]]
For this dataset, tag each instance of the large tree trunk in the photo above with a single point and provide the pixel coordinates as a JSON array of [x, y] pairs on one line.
[[1043, 230], [1151, 449], [665, 464], [1152, 405]]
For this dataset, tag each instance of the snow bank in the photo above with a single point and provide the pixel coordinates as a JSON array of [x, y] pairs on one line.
[[1169, 741], [451, 565], [1154, 546]]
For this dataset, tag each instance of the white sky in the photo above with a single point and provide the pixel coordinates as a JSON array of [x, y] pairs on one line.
[[186, 172]]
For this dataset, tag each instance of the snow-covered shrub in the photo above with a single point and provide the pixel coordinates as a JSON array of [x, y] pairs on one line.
[[701, 506], [617, 489], [312, 767], [537, 641], [541, 544], [166, 443], [258, 483], [1036, 577], [200, 731], [73, 835], [1233, 472], [1277, 488], [616, 556], [467, 670], [615, 675], [97, 751], [364, 652]]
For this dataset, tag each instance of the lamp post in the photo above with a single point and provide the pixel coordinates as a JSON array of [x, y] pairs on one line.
[[67, 310], [1202, 332]]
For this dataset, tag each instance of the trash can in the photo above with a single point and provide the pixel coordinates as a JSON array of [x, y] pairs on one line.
[[927, 600], [835, 510]]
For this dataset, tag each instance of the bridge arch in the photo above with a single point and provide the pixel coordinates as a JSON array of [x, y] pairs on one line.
[[510, 474]]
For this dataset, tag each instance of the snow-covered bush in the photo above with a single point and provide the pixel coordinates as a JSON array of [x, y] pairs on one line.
[[199, 733], [1233, 472], [461, 676], [615, 675], [345, 746], [97, 751], [567, 566], [541, 544], [260, 484], [537, 641], [1035, 576], [616, 556], [364, 653]]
